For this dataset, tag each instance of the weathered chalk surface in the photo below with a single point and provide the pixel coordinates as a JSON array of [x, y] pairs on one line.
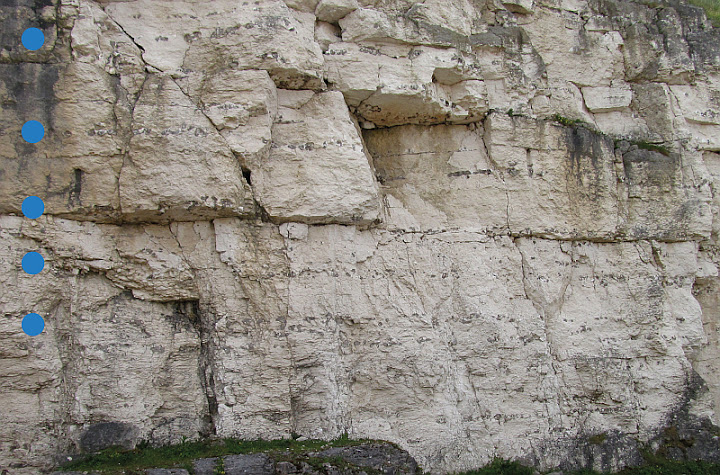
[[475, 228]]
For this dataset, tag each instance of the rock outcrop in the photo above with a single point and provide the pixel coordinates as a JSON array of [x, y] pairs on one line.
[[475, 228], [358, 458]]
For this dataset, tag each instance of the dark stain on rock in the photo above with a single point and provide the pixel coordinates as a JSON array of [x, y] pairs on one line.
[[583, 143], [30, 95], [688, 436], [587, 152], [190, 311], [684, 436], [75, 188], [703, 43], [108, 434], [16, 16], [648, 168], [40, 4], [605, 451]]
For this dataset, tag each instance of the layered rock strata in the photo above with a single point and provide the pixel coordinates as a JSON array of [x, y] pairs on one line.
[[475, 228]]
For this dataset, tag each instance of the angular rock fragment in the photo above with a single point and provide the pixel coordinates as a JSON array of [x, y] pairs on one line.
[[317, 170], [178, 167], [333, 10]]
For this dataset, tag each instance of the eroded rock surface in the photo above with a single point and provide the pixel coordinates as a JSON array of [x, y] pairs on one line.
[[474, 228]]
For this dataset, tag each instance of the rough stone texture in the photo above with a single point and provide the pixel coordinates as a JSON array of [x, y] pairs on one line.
[[382, 458], [528, 176], [177, 37], [203, 178], [254, 464], [317, 169], [382, 219], [205, 466], [606, 99], [333, 10], [360, 458], [163, 471]]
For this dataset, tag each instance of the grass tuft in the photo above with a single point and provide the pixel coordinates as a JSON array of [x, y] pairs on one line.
[[712, 9], [653, 147], [501, 467], [567, 122]]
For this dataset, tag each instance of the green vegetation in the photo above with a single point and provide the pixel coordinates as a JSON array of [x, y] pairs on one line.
[[712, 8], [501, 467], [129, 462], [116, 461], [669, 467], [653, 147], [219, 468], [318, 463], [653, 466], [566, 121]]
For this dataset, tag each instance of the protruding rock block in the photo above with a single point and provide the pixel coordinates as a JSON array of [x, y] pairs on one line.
[[317, 170]]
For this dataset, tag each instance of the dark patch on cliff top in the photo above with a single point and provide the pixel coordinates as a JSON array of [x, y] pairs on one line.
[[15, 17], [703, 42], [705, 48], [655, 19]]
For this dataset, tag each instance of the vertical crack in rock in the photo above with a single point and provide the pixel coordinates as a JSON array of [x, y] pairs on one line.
[[65, 340], [547, 308], [203, 326], [496, 170], [706, 290], [126, 102], [74, 197], [293, 366]]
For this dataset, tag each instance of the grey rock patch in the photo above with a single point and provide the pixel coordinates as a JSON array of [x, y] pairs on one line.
[[166, 471], [285, 468], [108, 434], [205, 466], [385, 458], [253, 464]]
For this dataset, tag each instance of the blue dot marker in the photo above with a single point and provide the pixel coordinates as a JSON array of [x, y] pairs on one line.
[[33, 263], [33, 131], [33, 324], [33, 39], [33, 207]]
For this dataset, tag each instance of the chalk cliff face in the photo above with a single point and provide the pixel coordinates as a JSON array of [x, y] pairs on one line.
[[379, 217]]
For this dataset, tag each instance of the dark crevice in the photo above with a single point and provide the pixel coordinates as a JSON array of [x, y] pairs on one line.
[[126, 34], [192, 312], [246, 174], [76, 187], [264, 215]]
